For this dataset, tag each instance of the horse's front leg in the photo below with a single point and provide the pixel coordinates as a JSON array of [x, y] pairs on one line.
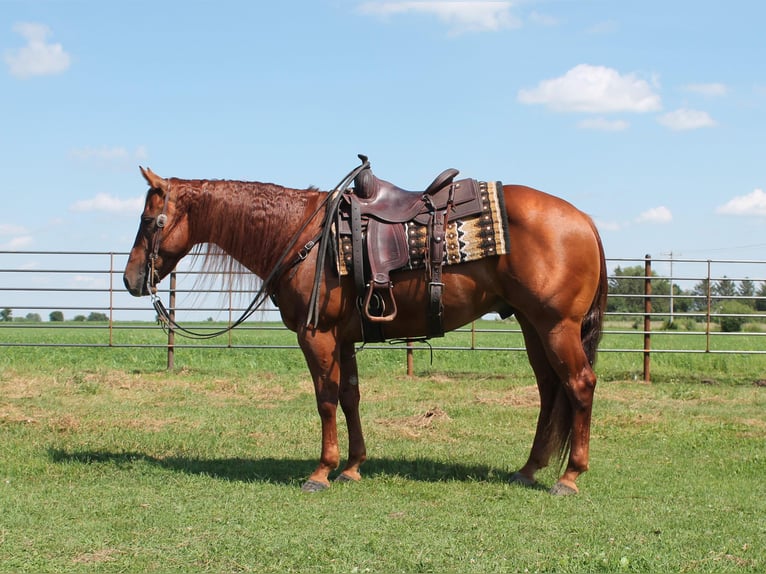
[[349, 402], [322, 355]]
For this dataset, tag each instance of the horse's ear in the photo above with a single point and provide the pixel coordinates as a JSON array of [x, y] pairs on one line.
[[154, 180]]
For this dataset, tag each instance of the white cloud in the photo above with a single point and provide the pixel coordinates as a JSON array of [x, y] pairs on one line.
[[37, 57], [461, 16], [686, 119], [608, 225], [659, 214], [594, 89], [11, 229], [106, 203], [711, 90], [19, 242], [604, 125], [751, 204]]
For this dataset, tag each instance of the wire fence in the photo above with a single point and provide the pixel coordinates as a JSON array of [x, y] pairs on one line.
[[72, 298]]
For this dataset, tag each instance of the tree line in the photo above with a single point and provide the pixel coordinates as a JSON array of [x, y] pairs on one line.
[[726, 296], [6, 314]]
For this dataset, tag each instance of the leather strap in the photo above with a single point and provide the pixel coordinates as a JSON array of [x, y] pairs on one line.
[[435, 285], [357, 247]]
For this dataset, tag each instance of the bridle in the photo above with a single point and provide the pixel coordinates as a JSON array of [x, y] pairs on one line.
[[152, 276]]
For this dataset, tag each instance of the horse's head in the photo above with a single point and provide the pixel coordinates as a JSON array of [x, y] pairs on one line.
[[162, 240]]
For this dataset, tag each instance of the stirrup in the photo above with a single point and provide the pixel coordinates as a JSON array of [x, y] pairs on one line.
[[368, 299]]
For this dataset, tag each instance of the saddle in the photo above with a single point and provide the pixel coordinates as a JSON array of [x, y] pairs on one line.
[[377, 214]]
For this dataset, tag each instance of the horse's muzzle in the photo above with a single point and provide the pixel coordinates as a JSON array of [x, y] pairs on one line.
[[136, 287]]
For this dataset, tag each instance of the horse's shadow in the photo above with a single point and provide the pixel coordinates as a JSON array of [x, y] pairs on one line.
[[284, 470]]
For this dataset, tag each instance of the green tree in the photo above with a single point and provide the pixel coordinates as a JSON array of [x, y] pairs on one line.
[[56, 316], [6, 314], [760, 303], [33, 318], [724, 288], [747, 289], [701, 292], [626, 291], [97, 317], [736, 312]]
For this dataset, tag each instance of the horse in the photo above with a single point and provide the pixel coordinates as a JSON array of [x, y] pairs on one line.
[[553, 279]]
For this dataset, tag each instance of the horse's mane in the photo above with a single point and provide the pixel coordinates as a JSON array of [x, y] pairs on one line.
[[252, 220]]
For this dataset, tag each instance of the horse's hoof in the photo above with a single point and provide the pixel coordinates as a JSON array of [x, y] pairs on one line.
[[314, 486], [518, 478], [343, 477], [564, 489]]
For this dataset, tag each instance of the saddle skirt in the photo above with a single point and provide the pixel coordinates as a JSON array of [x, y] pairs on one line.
[[476, 228]]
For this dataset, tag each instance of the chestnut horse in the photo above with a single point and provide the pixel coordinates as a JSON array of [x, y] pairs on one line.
[[553, 280]]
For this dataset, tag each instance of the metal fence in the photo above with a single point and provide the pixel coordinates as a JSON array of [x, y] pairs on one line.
[[82, 293]]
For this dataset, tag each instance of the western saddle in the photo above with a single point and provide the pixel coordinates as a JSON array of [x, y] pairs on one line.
[[376, 215]]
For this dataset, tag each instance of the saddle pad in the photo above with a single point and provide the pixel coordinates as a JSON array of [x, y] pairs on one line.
[[467, 239]]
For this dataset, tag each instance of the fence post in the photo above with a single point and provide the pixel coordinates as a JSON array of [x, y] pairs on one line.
[[111, 299], [709, 308], [647, 318], [172, 312], [410, 359]]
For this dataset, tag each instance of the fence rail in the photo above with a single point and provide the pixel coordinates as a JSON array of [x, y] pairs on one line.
[[705, 300]]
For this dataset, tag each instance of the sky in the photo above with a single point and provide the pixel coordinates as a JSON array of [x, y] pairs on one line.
[[650, 116]]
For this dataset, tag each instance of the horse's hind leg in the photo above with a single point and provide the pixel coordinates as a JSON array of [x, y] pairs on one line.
[[349, 402], [551, 430], [568, 358], [566, 383]]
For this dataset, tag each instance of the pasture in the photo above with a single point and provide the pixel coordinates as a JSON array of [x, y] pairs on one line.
[[108, 463]]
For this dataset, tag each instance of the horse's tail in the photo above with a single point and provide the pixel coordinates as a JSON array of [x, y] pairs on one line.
[[590, 331]]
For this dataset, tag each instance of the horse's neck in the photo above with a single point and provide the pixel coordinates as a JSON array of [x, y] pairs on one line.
[[252, 222]]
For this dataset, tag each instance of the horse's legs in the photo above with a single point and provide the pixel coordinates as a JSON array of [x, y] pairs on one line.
[[322, 354], [548, 383], [349, 402], [568, 357]]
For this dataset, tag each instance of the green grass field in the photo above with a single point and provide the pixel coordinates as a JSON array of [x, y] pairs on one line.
[[109, 463]]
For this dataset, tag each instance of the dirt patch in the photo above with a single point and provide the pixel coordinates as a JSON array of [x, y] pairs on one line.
[[11, 414], [99, 556], [412, 427], [515, 397]]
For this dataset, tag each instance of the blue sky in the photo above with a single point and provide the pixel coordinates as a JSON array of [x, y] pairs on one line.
[[650, 116]]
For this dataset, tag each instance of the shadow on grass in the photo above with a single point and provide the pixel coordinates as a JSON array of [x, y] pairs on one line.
[[283, 471]]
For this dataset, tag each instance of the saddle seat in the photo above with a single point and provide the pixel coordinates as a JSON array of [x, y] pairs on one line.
[[385, 201]]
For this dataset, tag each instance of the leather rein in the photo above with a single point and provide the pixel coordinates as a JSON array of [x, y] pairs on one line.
[[268, 286]]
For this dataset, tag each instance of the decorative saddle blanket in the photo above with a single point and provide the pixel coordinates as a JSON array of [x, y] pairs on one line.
[[466, 239]]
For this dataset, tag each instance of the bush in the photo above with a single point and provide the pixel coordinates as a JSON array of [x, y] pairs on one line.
[[667, 325], [739, 311], [98, 317]]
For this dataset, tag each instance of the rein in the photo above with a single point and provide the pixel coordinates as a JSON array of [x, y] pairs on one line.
[[268, 285]]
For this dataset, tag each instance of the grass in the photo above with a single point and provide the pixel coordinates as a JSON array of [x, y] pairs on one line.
[[108, 463]]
